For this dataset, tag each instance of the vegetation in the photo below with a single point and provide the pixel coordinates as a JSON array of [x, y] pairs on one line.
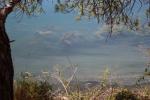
[[125, 95], [110, 12], [29, 88]]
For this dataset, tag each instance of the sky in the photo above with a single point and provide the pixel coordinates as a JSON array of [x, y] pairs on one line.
[[51, 38]]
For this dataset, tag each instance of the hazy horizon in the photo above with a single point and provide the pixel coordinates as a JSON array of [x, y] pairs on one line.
[[49, 39]]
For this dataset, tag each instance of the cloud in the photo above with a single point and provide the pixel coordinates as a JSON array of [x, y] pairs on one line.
[[70, 38], [104, 29], [48, 32], [144, 49], [118, 28], [78, 39], [143, 31]]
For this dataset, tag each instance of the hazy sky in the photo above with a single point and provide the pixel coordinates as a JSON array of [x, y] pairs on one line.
[[50, 38]]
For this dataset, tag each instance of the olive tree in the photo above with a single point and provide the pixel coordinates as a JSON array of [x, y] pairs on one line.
[[108, 11], [6, 65]]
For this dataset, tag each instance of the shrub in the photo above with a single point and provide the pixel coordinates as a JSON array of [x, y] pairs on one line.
[[32, 90], [125, 95]]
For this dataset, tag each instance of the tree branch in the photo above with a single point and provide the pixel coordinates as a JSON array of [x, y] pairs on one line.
[[8, 8]]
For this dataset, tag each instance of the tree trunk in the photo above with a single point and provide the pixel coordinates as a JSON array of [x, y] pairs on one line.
[[6, 65]]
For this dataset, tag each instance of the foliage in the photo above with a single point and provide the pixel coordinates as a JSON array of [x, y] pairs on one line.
[[28, 7], [29, 89], [111, 12], [60, 77], [118, 93], [125, 95], [105, 78], [147, 70]]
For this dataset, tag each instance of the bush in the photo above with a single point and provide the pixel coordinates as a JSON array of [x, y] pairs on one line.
[[125, 95], [32, 90]]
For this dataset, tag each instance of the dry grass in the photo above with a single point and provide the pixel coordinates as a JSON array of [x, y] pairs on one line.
[[33, 90], [28, 88]]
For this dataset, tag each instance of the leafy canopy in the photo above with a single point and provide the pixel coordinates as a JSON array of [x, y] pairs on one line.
[[108, 11], [28, 7], [111, 12]]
